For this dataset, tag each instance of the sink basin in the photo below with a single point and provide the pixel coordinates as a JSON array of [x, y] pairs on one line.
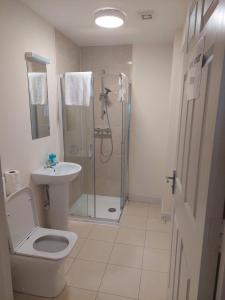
[[62, 173]]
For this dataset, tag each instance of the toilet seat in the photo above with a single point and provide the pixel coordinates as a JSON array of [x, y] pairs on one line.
[[26, 247], [25, 232]]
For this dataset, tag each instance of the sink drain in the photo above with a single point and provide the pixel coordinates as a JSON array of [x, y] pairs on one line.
[[112, 209]]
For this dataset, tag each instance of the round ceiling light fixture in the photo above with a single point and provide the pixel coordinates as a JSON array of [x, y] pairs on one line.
[[109, 17]]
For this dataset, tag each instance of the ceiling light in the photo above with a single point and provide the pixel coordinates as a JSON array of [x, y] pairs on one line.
[[109, 17]]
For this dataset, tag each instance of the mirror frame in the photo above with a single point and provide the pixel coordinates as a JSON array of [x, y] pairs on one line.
[[35, 58]]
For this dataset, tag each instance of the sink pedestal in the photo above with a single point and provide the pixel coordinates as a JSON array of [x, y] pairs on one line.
[[59, 206]]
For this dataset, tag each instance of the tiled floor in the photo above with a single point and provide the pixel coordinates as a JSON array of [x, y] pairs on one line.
[[129, 261]]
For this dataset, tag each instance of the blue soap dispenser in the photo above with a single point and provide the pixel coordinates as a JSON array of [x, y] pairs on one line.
[[52, 159]]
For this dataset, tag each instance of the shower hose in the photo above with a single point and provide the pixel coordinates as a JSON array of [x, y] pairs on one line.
[[105, 157]]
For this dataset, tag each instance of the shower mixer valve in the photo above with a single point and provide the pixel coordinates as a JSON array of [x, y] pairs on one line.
[[103, 132]]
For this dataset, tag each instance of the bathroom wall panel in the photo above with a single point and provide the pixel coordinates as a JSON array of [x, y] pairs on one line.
[[113, 59], [67, 54], [149, 120], [22, 30], [68, 60]]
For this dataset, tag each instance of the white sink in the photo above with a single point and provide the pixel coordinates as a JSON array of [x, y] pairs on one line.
[[62, 172], [57, 178]]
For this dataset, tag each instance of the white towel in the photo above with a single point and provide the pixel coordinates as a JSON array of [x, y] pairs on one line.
[[78, 88], [38, 88], [123, 88]]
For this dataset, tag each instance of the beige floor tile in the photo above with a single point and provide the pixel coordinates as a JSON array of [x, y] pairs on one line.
[[103, 296], [153, 285], [85, 274], [131, 236], [82, 229], [156, 260], [70, 293], [76, 249], [138, 211], [19, 296], [103, 233], [126, 255], [121, 281], [157, 240], [154, 211], [138, 222], [96, 251], [138, 204], [67, 264], [156, 224]]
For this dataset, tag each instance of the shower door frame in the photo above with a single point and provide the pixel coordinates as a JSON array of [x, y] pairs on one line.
[[124, 194]]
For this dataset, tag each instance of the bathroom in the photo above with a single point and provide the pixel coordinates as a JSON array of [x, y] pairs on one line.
[[105, 137]]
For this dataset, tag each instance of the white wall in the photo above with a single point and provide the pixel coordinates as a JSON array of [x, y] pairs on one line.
[[22, 30], [149, 124], [174, 112], [67, 54]]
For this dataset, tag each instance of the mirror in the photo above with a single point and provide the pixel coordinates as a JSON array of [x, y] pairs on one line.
[[38, 95]]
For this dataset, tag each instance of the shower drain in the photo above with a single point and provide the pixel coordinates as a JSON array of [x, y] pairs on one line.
[[111, 209]]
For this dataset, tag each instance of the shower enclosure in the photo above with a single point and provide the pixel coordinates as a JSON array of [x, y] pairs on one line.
[[97, 138]]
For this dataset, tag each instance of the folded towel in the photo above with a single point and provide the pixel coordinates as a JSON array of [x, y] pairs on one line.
[[78, 88], [38, 88], [123, 88]]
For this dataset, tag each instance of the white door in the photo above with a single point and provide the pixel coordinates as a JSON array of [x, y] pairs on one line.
[[5, 274], [200, 173]]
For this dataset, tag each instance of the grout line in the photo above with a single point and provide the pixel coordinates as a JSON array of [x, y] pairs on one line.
[[111, 253], [107, 264], [123, 266], [98, 240], [142, 266], [78, 252], [69, 266], [132, 245], [106, 293]]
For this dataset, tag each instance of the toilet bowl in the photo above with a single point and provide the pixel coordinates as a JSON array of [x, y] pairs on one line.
[[37, 254]]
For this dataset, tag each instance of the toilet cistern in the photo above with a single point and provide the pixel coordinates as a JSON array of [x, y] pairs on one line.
[[58, 179]]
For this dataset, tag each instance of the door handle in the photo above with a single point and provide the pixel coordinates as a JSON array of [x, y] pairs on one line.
[[173, 179]]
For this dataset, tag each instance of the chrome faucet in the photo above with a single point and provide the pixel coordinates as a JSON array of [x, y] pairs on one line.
[[49, 165]]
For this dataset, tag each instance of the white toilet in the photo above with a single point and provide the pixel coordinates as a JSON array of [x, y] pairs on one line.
[[37, 254]]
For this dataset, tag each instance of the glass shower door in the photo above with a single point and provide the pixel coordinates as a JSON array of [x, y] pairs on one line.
[[78, 138]]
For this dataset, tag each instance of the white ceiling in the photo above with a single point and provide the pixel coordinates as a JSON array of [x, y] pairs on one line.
[[75, 19]]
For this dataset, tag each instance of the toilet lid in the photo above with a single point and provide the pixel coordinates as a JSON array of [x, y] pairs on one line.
[[21, 216]]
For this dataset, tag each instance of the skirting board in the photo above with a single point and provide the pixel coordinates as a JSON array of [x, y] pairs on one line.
[[149, 199]]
